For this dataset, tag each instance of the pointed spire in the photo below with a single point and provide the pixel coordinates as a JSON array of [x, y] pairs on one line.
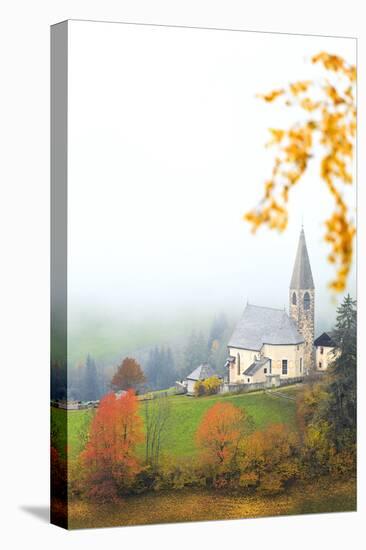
[[301, 275]]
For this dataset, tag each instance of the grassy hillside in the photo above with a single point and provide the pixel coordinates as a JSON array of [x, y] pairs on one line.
[[185, 415]]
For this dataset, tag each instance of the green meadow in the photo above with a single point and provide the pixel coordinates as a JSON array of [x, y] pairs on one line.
[[184, 418]]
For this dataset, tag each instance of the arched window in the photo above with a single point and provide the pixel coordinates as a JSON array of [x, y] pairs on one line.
[[294, 300], [238, 362], [306, 300]]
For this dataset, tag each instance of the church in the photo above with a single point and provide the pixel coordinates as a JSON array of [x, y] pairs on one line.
[[268, 343]]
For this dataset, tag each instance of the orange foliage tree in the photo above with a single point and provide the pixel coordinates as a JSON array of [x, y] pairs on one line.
[[129, 375], [329, 124], [220, 435], [109, 457]]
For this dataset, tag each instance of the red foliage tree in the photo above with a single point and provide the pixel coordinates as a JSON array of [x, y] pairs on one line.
[[109, 457], [129, 375]]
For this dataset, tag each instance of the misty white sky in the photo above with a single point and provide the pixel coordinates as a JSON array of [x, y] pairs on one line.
[[166, 153]]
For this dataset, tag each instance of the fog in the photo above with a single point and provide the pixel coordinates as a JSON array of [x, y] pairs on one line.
[[166, 154]]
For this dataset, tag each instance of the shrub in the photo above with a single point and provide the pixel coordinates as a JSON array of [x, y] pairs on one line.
[[199, 388], [211, 385]]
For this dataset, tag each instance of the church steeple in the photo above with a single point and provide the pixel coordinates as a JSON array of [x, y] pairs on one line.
[[301, 275], [302, 299]]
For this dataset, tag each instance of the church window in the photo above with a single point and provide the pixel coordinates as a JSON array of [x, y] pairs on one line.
[[320, 364], [294, 299], [265, 370], [321, 351], [306, 300], [284, 366], [300, 364], [248, 380], [238, 362]]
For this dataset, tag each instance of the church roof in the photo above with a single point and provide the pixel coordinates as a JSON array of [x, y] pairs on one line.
[[301, 275], [201, 372], [264, 325], [256, 366]]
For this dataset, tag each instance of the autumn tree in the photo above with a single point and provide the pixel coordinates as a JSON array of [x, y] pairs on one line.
[[129, 375], [311, 402], [220, 434], [109, 457], [269, 458], [327, 113]]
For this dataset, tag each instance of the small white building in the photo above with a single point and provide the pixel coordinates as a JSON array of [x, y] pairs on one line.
[[202, 372], [324, 351]]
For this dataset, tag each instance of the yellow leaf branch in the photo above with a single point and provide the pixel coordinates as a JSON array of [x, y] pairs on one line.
[[330, 122]]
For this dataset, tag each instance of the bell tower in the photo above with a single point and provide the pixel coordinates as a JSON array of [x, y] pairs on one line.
[[302, 300]]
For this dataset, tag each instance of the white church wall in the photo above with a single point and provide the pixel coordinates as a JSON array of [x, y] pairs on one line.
[[292, 353], [247, 357]]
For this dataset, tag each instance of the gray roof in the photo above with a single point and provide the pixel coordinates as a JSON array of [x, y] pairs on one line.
[[256, 366], [201, 372], [264, 325], [301, 275]]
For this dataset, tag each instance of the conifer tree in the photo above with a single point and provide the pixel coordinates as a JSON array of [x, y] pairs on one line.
[[91, 391], [342, 374]]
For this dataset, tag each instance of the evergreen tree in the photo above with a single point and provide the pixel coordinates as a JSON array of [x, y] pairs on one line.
[[168, 373], [217, 343], [91, 389], [161, 368], [58, 381], [152, 367], [342, 374], [195, 351], [217, 330]]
